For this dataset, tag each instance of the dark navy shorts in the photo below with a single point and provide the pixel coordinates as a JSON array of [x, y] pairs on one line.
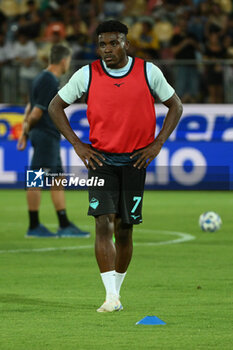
[[46, 153]]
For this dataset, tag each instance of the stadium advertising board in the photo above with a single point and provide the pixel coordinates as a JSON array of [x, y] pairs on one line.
[[198, 154]]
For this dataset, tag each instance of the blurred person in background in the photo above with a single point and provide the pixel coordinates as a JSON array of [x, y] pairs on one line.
[[3, 22], [25, 54], [134, 8], [229, 27], [214, 50], [185, 47], [197, 22], [7, 74], [144, 41], [54, 34], [228, 68], [226, 5], [30, 21], [76, 31], [104, 8], [217, 20], [13, 8], [77, 39], [45, 140], [72, 16], [92, 23]]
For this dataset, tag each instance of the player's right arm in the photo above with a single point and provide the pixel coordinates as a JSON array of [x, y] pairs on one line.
[[73, 90], [30, 119], [41, 102], [22, 141], [83, 150]]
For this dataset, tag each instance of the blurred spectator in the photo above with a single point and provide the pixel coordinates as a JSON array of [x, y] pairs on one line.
[[6, 52], [164, 31], [77, 40], [97, 6], [198, 2], [135, 8], [153, 33], [72, 18], [13, 8], [25, 53], [229, 26], [198, 20], [214, 50], [172, 4], [228, 69], [3, 22], [30, 21], [55, 27], [226, 5], [144, 41], [102, 8], [152, 5], [185, 47], [217, 20], [92, 23], [228, 46], [177, 7], [6, 72], [89, 50], [54, 34], [228, 37], [3, 51], [164, 12], [49, 15]]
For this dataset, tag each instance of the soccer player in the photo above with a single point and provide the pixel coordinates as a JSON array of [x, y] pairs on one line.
[[45, 139], [120, 98]]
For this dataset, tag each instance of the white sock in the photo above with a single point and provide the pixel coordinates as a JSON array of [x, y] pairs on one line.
[[108, 279], [119, 278]]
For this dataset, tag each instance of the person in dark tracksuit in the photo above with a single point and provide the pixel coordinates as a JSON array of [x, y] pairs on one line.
[[45, 140]]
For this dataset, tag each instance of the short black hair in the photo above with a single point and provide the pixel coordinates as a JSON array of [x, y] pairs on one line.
[[58, 52], [111, 26]]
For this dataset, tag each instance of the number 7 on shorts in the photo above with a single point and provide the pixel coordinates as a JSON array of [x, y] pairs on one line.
[[137, 200]]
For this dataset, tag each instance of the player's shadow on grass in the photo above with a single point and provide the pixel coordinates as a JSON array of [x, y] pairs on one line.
[[23, 300]]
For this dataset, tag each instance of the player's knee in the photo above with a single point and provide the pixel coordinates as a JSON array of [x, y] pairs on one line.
[[123, 227], [104, 225], [123, 233]]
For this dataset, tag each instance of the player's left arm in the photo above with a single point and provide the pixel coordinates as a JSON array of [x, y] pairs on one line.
[[147, 154]]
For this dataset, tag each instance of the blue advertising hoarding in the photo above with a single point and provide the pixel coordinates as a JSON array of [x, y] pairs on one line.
[[198, 154]]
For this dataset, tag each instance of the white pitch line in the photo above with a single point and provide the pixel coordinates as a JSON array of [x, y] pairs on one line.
[[183, 237], [44, 250]]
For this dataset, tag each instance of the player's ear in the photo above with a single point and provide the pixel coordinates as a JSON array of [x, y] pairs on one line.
[[127, 44]]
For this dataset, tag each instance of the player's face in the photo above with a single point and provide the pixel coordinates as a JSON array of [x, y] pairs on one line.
[[112, 49]]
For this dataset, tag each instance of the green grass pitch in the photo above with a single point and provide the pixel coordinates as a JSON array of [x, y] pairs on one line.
[[48, 299]]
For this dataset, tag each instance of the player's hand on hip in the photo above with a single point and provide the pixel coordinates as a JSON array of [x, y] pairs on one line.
[[88, 155], [147, 154], [22, 142]]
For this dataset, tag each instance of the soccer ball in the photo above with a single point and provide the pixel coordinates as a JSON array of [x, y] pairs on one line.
[[210, 221]]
